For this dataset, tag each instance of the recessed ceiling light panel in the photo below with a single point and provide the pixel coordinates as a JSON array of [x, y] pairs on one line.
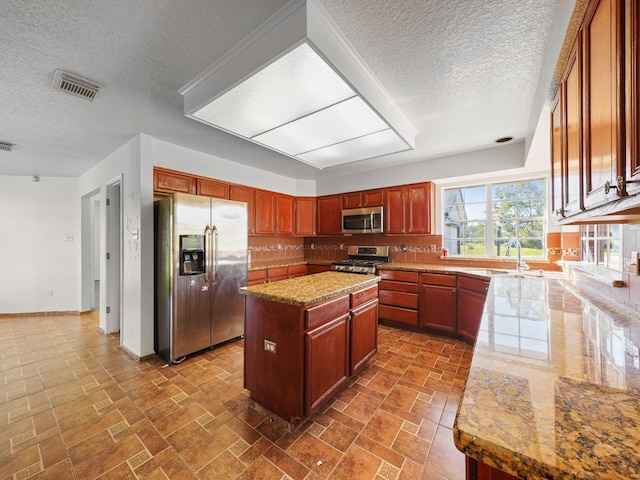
[[296, 85]]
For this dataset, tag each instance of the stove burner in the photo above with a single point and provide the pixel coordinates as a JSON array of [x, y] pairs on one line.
[[362, 260]]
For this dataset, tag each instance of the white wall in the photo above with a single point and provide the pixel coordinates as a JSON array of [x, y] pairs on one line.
[[39, 269], [183, 159], [132, 164]]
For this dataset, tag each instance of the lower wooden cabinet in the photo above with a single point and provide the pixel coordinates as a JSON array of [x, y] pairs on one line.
[[296, 358], [472, 293], [438, 303], [398, 294], [481, 471]]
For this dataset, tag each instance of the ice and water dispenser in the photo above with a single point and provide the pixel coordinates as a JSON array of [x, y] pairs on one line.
[[192, 255]]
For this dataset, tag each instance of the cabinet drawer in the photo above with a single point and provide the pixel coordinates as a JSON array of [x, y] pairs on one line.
[[398, 286], [255, 277], [277, 273], [316, 316], [473, 284], [399, 299], [400, 276], [398, 314], [363, 296], [438, 279], [297, 270]]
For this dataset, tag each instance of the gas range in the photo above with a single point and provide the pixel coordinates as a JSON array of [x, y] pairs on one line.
[[362, 260]]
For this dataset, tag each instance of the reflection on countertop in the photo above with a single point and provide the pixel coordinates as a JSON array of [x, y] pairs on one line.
[[554, 385]]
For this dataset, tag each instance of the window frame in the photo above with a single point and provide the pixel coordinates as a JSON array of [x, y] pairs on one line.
[[490, 236], [601, 234]]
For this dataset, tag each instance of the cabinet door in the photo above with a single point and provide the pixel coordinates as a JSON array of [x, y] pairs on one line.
[[557, 150], [364, 335], [352, 200], [330, 215], [572, 101], [168, 181], [394, 210], [327, 362], [372, 198], [306, 216], [285, 218], [241, 193], [265, 212], [212, 188], [438, 308], [632, 95], [602, 99], [470, 306], [418, 208]]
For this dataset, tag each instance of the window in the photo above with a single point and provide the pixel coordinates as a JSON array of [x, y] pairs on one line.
[[602, 245], [486, 220]]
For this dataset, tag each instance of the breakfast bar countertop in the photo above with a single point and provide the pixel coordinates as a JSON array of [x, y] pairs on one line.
[[553, 389]]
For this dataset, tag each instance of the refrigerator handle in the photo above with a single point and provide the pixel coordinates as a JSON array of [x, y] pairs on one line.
[[214, 253], [207, 249]]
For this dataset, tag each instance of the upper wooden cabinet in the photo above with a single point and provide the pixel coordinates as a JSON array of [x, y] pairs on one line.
[[602, 39], [285, 219], [408, 208], [366, 198], [329, 215], [265, 212], [632, 96], [557, 163], [306, 215], [169, 181], [212, 188], [241, 193]]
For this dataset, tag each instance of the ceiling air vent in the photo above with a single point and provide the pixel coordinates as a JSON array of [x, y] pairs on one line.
[[6, 147], [75, 85]]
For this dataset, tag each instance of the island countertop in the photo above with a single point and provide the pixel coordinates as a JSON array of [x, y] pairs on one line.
[[311, 289], [553, 389]]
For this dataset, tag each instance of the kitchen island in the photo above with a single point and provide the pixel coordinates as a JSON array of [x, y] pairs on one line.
[[554, 385], [304, 338]]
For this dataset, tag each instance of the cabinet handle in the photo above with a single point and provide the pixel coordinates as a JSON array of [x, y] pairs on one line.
[[620, 184]]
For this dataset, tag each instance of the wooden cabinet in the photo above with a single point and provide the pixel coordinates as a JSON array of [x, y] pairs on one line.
[[311, 269], [212, 188], [472, 293], [169, 181], [602, 39], [408, 208], [285, 207], [296, 358], [557, 157], [398, 297], [265, 212], [241, 193], [275, 274], [481, 471], [366, 198], [305, 214], [632, 96], [329, 215], [438, 303], [326, 360], [256, 277], [572, 201]]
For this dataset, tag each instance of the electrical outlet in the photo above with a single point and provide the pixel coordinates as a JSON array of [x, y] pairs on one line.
[[50, 293], [270, 346], [68, 237], [635, 263]]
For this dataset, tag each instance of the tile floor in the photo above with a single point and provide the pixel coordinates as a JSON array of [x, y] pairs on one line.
[[74, 405]]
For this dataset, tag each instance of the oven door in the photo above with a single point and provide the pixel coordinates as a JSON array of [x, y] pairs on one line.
[[363, 220]]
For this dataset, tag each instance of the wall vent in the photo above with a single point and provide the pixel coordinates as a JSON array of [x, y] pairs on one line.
[[75, 85], [6, 147]]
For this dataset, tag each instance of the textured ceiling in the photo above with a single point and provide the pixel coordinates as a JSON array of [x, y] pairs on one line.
[[464, 71]]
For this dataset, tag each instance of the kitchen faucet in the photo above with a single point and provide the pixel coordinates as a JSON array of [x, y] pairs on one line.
[[520, 264]]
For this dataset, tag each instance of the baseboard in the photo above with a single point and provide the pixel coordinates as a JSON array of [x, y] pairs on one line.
[[31, 314]]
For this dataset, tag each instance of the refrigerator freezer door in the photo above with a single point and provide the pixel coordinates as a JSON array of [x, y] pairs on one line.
[[191, 306], [229, 268]]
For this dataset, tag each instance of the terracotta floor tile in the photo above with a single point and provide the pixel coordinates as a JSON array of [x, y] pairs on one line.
[[357, 464], [74, 405]]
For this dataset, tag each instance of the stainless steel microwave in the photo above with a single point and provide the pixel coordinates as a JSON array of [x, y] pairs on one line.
[[363, 220]]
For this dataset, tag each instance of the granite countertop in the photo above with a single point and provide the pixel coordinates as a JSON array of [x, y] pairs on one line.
[[553, 389], [286, 263], [483, 273], [311, 289]]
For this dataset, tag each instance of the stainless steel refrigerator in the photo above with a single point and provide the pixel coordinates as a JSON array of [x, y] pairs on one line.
[[201, 261]]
